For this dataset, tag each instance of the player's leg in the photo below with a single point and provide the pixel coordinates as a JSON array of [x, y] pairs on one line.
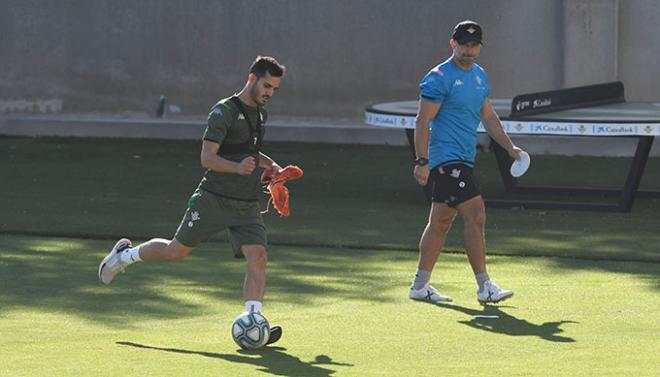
[[123, 255], [473, 212], [162, 249], [255, 276], [441, 217], [255, 284], [251, 241], [440, 220], [198, 223], [432, 241]]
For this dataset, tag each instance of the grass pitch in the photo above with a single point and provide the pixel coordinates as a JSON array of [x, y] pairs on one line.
[[587, 284], [344, 312]]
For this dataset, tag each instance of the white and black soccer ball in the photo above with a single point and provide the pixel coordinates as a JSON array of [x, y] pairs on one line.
[[250, 330]]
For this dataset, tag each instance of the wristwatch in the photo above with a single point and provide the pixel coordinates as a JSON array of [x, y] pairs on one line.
[[421, 161]]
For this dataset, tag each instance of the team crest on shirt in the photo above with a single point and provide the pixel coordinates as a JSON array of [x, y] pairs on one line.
[[194, 216], [455, 173], [480, 82]]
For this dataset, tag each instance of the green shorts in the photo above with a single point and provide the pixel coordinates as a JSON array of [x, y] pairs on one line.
[[208, 214]]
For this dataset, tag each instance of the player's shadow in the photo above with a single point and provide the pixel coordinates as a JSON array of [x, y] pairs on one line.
[[510, 325], [273, 360]]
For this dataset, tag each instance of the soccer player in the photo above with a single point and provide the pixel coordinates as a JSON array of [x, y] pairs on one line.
[[227, 197], [453, 100]]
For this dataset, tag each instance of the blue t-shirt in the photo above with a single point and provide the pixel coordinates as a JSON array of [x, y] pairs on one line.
[[461, 93]]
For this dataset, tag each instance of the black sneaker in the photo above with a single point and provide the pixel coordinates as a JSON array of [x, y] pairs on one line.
[[275, 335]]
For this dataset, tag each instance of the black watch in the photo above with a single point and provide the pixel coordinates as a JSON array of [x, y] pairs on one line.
[[422, 161]]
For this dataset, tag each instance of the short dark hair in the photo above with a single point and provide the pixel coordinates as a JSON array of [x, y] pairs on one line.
[[263, 64]]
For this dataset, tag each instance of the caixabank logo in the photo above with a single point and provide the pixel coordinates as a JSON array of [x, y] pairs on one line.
[[616, 130], [381, 120], [543, 128]]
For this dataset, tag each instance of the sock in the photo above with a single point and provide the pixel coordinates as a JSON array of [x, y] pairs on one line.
[[422, 278], [253, 306], [131, 255], [481, 277]]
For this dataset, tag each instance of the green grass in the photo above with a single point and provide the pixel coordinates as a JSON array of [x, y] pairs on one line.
[[352, 196], [587, 283], [344, 313]]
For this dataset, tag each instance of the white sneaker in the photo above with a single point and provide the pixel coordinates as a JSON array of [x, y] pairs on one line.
[[428, 294], [492, 294], [112, 264]]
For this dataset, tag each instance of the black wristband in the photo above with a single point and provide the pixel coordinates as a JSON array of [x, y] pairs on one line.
[[422, 161]]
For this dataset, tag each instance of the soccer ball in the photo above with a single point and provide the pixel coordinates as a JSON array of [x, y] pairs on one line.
[[250, 330]]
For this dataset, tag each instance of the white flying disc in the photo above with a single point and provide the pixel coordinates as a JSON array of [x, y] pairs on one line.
[[485, 316], [519, 167]]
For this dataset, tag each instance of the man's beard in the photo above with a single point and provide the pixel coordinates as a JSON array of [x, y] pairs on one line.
[[254, 93]]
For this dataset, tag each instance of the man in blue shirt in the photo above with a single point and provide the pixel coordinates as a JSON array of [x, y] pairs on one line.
[[454, 100]]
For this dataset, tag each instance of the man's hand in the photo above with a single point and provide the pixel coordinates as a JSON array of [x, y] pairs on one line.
[[515, 153], [247, 166], [269, 172], [421, 174], [275, 168]]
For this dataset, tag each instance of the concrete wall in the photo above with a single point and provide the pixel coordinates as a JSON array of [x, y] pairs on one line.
[[590, 30], [121, 55], [639, 49]]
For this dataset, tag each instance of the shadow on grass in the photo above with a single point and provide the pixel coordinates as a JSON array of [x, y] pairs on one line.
[[60, 275], [273, 360], [509, 325]]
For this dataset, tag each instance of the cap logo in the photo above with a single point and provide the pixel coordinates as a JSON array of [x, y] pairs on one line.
[[471, 30]]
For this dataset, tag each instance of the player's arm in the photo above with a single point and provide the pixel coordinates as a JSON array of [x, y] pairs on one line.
[[427, 111], [493, 126], [211, 160]]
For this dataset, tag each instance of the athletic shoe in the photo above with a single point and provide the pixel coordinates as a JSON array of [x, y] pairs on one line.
[[492, 294], [428, 294], [275, 334], [112, 264]]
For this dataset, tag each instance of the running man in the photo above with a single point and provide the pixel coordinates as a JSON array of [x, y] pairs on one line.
[[227, 197], [453, 101]]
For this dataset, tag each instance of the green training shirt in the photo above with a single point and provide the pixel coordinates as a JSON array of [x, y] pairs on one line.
[[227, 125]]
